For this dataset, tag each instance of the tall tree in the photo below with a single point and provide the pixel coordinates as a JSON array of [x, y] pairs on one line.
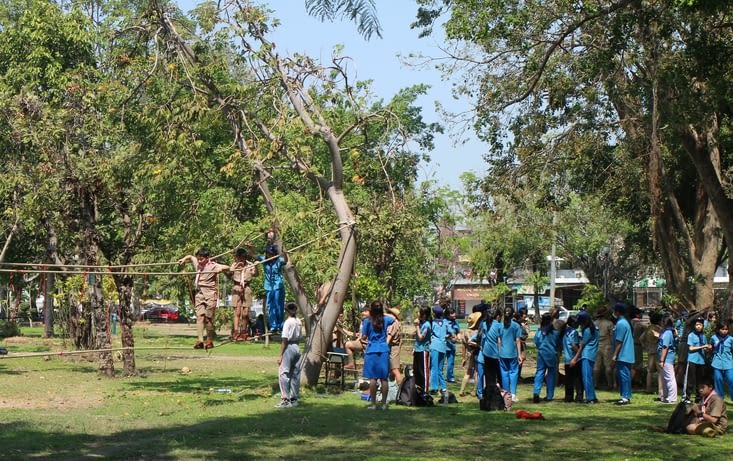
[[605, 89], [277, 107]]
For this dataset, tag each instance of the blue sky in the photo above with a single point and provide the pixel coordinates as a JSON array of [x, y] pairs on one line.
[[378, 60]]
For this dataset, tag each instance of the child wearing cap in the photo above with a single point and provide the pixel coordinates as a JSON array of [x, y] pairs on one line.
[[272, 264]]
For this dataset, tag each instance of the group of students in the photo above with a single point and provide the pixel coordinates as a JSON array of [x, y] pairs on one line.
[[494, 353]]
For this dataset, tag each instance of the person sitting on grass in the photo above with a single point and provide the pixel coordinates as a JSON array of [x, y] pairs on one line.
[[710, 415]]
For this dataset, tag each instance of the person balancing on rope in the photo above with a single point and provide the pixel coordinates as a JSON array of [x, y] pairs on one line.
[[242, 271], [206, 294]]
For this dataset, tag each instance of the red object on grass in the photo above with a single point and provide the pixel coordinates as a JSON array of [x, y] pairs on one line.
[[523, 414]]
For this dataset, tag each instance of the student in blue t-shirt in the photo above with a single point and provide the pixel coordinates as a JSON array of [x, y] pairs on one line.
[[272, 264], [722, 362], [697, 346], [665, 355], [623, 354], [438, 347], [586, 355], [510, 357], [491, 330], [570, 346], [421, 352], [450, 349], [547, 340]]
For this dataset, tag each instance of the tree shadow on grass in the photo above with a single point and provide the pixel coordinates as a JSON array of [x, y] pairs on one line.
[[333, 428]]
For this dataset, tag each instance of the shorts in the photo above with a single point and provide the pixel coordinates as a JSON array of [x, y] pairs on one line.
[[394, 356], [242, 298], [205, 303]]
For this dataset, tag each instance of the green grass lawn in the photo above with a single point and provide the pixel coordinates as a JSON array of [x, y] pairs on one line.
[[58, 407]]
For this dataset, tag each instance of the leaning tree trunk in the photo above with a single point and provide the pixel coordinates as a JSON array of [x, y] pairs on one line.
[[241, 122]]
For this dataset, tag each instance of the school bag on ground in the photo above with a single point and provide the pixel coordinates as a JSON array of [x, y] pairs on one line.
[[681, 417], [493, 399], [406, 393]]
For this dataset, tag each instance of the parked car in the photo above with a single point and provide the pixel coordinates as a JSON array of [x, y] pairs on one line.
[[565, 314], [161, 313]]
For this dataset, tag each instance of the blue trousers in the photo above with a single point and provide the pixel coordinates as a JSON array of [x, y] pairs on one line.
[[509, 374], [275, 301], [480, 379], [550, 368], [450, 363], [437, 362], [721, 378], [623, 374], [586, 371]]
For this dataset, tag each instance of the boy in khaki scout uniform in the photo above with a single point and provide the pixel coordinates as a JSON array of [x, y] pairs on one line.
[[242, 272], [205, 287]]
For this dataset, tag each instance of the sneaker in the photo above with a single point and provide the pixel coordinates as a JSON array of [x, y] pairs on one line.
[[294, 403], [371, 407], [515, 398], [284, 403], [591, 402], [622, 402], [384, 406], [208, 345], [535, 398], [198, 345], [452, 381]]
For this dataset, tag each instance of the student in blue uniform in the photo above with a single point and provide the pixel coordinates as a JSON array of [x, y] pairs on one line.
[[623, 355], [437, 352], [450, 349], [586, 355], [510, 338], [570, 346], [722, 361], [697, 346], [375, 331], [547, 340], [421, 352], [491, 330], [665, 355], [272, 264]]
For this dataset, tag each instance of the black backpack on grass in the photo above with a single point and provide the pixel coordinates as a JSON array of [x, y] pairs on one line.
[[681, 417], [492, 399]]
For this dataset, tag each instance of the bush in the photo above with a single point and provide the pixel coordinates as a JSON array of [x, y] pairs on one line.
[[8, 329]]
